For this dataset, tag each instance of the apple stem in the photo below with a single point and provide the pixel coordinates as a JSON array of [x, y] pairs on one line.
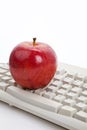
[[34, 41]]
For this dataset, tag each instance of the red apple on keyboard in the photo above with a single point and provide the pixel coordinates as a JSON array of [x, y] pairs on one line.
[[33, 64]]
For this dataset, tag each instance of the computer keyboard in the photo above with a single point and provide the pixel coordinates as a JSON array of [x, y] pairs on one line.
[[63, 101]]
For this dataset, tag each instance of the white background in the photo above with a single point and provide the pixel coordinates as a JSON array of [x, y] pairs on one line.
[[60, 23]]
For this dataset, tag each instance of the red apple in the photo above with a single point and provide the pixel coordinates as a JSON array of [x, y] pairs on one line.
[[32, 64]]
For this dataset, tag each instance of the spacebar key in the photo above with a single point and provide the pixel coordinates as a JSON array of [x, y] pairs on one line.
[[34, 99]]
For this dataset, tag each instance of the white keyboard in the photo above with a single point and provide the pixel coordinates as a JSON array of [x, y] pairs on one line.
[[63, 101]]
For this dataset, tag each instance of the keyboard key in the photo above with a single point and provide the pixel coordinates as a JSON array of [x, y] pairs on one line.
[[6, 78], [79, 77], [59, 77], [81, 115], [49, 95], [37, 91], [78, 83], [1, 75], [34, 99], [62, 71], [61, 92], [82, 99], [76, 90], [68, 111], [67, 87], [85, 86], [8, 73], [71, 75], [59, 98], [40, 91], [52, 88], [72, 95], [85, 79], [12, 82], [2, 71], [68, 80], [57, 83], [69, 102], [4, 66], [81, 106], [84, 93], [3, 85]]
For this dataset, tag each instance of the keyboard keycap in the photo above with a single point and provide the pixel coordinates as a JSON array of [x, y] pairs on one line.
[[40, 91], [68, 80], [85, 86], [55, 82], [50, 95], [69, 102], [6, 78], [12, 82], [76, 90], [2, 71], [81, 115], [84, 93], [59, 77], [78, 83], [52, 88], [8, 73], [62, 71], [71, 75], [62, 91], [81, 106], [82, 99], [68, 111], [72, 95], [59, 98], [4, 66], [66, 87], [34, 99], [1, 75], [3, 85]]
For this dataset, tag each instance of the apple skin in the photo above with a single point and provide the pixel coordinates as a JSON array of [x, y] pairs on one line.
[[32, 65]]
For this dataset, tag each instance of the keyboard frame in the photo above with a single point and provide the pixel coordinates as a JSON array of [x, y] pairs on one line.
[[64, 121]]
